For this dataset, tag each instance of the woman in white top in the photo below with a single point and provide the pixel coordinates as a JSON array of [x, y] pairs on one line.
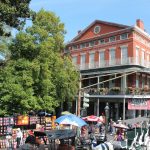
[[19, 137]]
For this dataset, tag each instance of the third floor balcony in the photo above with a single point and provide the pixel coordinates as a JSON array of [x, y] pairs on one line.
[[114, 62]]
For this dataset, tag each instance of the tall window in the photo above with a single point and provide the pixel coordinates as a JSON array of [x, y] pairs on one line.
[[112, 56], [101, 59], [124, 55], [148, 81], [137, 55], [91, 60], [74, 60], [142, 58], [143, 81], [111, 82], [137, 80], [82, 63], [147, 60]]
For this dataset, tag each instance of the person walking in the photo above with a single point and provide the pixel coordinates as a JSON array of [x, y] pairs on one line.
[[29, 143], [19, 137], [111, 128]]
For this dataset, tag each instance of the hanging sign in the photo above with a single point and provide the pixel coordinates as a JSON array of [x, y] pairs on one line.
[[22, 120], [139, 104]]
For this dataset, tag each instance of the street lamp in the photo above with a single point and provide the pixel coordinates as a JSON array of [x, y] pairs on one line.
[[106, 116]]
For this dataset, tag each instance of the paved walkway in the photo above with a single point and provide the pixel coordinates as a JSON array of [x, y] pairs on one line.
[[110, 137]]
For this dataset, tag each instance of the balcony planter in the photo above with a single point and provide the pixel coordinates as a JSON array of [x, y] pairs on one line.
[[103, 91], [145, 89], [137, 91], [130, 90], [115, 90]]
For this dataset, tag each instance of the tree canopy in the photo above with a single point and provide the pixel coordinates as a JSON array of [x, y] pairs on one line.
[[13, 13], [37, 76]]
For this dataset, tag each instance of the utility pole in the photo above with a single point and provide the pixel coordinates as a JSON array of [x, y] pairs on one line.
[[79, 98], [124, 100]]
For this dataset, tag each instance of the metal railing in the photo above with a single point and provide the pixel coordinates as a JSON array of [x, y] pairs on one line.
[[114, 62], [117, 91]]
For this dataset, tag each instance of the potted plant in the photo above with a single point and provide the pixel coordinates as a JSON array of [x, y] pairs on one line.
[[115, 90], [102, 91], [130, 90]]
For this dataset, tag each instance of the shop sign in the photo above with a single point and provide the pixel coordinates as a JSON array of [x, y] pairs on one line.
[[33, 120], [23, 120], [139, 104]]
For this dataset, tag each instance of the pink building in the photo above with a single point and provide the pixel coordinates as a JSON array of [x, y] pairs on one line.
[[115, 59]]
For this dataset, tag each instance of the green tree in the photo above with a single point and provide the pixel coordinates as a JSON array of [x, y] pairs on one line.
[[13, 13], [37, 76]]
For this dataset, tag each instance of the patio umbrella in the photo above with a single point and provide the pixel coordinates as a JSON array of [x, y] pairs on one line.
[[102, 119], [71, 120], [120, 125], [91, 118]]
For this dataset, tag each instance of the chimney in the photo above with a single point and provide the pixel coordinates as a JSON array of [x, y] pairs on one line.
[[140, 24], [79, 31]]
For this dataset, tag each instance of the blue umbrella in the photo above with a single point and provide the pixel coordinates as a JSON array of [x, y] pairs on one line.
[[71, 120]]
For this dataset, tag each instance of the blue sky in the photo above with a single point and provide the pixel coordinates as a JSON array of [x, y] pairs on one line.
[[78, 14]]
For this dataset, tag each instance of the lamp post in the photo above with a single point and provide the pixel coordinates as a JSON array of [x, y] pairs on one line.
[[106, 116]]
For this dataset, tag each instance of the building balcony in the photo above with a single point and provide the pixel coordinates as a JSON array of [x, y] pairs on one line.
[[114, 62], [116, 91]]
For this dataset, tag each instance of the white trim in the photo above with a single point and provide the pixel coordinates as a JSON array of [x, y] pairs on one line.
[[143, 49], [143, 32], [137, 46], [128, 28], [82, 53], [97, 26], [122, 46], [73, 55], [101, 50], [91, 52], [112, 48]]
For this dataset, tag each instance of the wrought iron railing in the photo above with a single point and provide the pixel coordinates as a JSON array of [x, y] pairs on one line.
[[117, 91]]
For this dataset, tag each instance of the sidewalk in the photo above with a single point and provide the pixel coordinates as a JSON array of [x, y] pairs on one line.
[[110, 137]]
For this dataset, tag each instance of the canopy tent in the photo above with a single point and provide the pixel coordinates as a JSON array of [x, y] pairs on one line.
[[136, 120], [71, 120]]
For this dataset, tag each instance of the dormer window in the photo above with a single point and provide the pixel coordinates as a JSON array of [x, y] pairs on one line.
[[123, 36], [112, 39]]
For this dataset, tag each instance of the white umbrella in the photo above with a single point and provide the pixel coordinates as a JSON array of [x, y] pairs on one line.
[[67, 121], [120, 125]]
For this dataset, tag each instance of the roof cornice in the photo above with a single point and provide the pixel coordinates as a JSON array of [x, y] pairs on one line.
[[101, 36], [98, 21], [137, 29]]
